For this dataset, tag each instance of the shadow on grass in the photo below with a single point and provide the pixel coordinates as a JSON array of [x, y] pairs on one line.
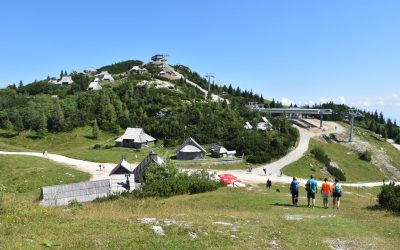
[[289, 205], [375, 138], [8, 135], [375, 208], [90, 137], [34, 137], [380, 208]]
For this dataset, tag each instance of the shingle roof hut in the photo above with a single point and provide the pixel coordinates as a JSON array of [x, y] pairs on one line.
[[141, 169], [220, 151], [190, 150], [135, 138]]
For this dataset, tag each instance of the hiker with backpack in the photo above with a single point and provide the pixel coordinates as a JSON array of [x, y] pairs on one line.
[[336, 193], [294, 190], [312, 189], [325, 192]]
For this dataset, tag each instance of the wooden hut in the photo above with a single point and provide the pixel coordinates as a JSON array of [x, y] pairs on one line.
[[135, 138], [190, 150]]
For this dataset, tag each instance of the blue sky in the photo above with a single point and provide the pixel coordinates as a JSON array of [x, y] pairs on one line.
[[294, 51]]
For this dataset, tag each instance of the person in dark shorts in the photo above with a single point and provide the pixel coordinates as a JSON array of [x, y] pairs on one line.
[[269, 184], [294, 190], [336, 193], [312, 188]]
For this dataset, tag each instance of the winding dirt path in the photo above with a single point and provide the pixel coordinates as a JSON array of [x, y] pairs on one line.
[[256, 177], [85, 166]]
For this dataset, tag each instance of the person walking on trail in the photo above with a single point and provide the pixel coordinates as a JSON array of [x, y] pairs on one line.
[[336, 193], [269, 184], [325, 192], [265, 170], [294, 190], [312, 189]]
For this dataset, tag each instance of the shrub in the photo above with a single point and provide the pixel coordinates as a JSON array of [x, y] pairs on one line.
[[337, 173], [321, 156], [75, 204], [112, 197], [365, 156], [97, 146], [389, 197], [166, 181]]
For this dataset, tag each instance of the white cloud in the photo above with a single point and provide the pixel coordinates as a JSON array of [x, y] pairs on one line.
[[392, 100], [286, 102], [337, 100]]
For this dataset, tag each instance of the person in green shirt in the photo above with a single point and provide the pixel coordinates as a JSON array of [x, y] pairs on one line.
[[312, 189]]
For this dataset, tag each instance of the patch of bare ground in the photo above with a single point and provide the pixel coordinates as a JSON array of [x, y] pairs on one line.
[[348, 244]]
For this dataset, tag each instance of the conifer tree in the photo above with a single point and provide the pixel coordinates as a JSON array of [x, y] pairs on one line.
[[42, 125], [18, 124], [95, 130]]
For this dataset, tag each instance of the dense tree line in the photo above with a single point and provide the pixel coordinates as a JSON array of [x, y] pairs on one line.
[[129, 105], [121, 67], [44, 107]]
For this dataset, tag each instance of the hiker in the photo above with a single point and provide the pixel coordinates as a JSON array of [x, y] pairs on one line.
[[336, 193], [281, 174], [294, 189], [250, 169], [104, 166], [265, 170], [312, 189], [325, 192], [269, 184], [99, 167]]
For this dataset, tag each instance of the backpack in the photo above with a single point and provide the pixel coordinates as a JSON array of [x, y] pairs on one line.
[[308, 186], [338, 188], [294, 186]]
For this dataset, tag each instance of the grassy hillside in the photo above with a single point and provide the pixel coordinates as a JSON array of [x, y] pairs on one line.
[[257, 219], [380, 143], [76, 144], [27, 174], [355, 169]]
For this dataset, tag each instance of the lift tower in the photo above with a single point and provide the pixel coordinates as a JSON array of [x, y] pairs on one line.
[[352, 114], [209, 76]]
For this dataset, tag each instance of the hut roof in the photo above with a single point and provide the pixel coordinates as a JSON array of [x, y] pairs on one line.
[[94, 86], [136, 134], [219, 149], [263, 119], [247, 125], [190, 145], [137, 68], [65, 79], [140, 170], [122, 167]]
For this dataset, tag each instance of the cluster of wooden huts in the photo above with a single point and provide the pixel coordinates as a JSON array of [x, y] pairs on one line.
[[188, 150], [263, 124]]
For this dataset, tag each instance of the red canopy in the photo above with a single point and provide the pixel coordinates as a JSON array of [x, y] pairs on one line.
[[228, 178]]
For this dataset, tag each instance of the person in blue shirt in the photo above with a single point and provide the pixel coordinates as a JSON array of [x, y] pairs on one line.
[[312, 188], [294, 189]]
